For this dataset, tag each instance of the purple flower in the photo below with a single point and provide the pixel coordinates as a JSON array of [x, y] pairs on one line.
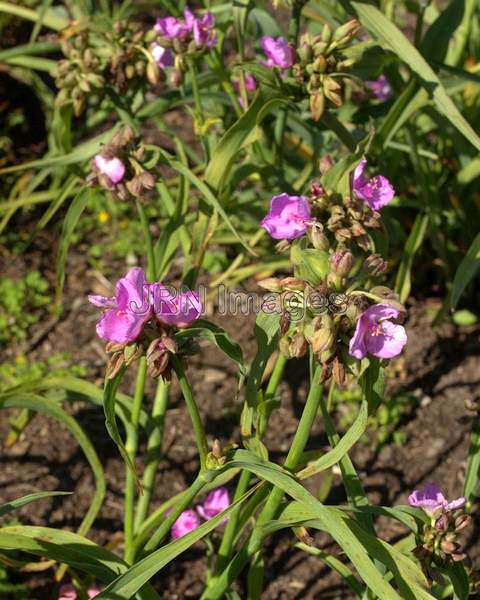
[[162, 56], [288, 217], [432, 499], [380, 88], [186, 522], [376, 192], [180, 309], [113, 168], [376, 335], [216, 502], [203, 28], [127, 311], [68, 592], [172, 28], [278, 52]]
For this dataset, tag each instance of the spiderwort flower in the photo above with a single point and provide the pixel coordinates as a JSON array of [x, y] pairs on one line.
[[203, 30], [113, 168], [250, 86], [278, 52], [288, 217], [431, 499], [172, 28], [376, 192], [162, 56], [376, 335], [186, 522], [175, 309], [216, 502], [380, 88], [127, 311]]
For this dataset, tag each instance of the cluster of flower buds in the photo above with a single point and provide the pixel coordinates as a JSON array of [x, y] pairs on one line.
[[121, 167], [316, 307], [321, 65], [141, 319], [97, 60], [176, 41], [438, 540]]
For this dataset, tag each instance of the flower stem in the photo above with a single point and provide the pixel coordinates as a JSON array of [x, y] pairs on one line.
[[193, 410], [131, 448], [254, 544], [165, 527], [225, 550], [154, 447]]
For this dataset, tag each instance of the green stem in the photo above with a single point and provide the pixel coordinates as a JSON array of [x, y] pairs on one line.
[[131, 445], [193, 411], [254, 544], [154, 451], [165, 527], [151, 268], [226, 546]]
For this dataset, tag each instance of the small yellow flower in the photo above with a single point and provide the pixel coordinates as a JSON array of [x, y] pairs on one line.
[[20, 360], [103, 216]]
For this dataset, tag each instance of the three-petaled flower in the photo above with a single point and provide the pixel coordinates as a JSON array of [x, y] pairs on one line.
[[432, 500], [376, 191], [375, 334], [288, 217], [278, 51]]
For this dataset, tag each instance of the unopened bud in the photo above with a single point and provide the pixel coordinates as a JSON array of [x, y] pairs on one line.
[[303, 535], [318, 238], [153, 73], [293, 283], [338, 371], [272, 284], [346, 31], [341, 262], [325, 164], [448, 547], [298, 346], [323, 340]]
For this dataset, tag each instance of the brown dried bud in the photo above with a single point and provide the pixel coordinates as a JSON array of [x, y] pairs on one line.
[[462, 522], [448, 547], [338, 371], [323, 339], [317, 105], [114, 365], [293, 283], [375, 265], [272, 284], [298, 346]]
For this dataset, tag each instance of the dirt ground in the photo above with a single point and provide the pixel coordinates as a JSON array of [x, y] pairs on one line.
[[441, 367]]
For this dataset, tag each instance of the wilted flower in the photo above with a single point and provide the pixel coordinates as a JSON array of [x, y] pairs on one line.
[[216, 502], [278, 51], [180, 309], [288, 217], [113, 168], [432, 499], [162, 56], [376, 192], [341, 262], [186, 522], [127, 311], [376, 335], [380, 88]]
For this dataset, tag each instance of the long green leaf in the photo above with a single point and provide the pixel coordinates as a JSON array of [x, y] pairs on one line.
[[403, 283], [466, 271], [54, 410], [18, 502], [50, 18], [391, 38]]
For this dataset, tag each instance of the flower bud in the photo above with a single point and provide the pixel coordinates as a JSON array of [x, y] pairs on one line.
[[341, 262], [347, 31], [318, 238], [338, 371], [375, 265], [153, 73], [272, 284], [325, 164], [462, 522], [324, 338], [317, 105], [326, 35]]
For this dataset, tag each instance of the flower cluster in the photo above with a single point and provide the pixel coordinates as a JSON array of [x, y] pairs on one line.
[[177, 40], [216, 502], [438, 540], [336, 225], [139, 319], [321, 66], [121, 169], [99, 60]]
